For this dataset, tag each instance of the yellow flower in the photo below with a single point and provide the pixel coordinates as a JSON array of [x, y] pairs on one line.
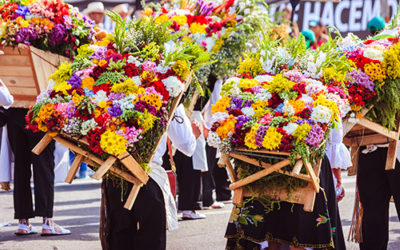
[[331, 74], [63, 73], [161, 19], [301, 132], [221, 105], [62, 87], [227, 127], [298, 105], [251, 64], [248, 83], [250, 138], [391, 62], [331, 105], [272, 139], [146, 121], [127, 87], [87, 83], [103, 104], [154, 100], [113, 143], [102, 62], [279, 84], [180, 20], [186, 39], [375, 71], [259, 110], [77, 98], [182, 69], [198, 28]]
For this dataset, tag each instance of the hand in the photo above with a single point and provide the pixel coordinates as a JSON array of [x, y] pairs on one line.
[[196, 128], [341, 196], [205, 131]]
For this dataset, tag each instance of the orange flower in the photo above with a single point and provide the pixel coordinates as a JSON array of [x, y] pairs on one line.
[[88, 83]]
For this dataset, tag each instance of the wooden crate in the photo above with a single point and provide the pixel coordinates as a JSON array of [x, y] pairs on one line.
[[366, 132], [136, 175], [304, 196], [25, 71]]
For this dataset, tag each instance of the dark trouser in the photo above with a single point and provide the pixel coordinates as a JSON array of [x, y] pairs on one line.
[[189, 182], [22, 141], [375, 186], [143, 227], [215, 178]]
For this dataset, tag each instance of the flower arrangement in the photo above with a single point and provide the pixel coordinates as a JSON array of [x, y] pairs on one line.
[[50, 25], [226, 30], [115, 95]]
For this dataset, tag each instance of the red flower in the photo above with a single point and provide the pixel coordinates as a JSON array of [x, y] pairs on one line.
[[131, 70], [196, 19], [105, 87], [94, 137], [160, 88], [275, 100]]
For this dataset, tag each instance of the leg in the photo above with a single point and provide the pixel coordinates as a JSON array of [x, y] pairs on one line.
[[393, 177], [23, 206], [374, 196], [219, 176], [43, 174]]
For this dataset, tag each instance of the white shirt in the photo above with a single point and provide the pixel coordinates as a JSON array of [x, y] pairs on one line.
[[336, 151], [199, 158], [182, 138], [6, 99], [215, 96]]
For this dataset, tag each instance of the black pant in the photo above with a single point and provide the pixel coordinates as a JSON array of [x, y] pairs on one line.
[[189, 182], [376, 186], [215, 178], [143, 227], [22, 142]]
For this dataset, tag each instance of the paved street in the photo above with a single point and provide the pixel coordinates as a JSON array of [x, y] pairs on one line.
[[77, 208]]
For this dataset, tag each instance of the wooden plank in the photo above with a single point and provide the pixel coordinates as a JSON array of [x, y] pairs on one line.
[[378, 128], [44, 142], [315, 179], [348, 126], [14, 59], [74, 168], [231, 170], [132, 196], [222, 160], [24, 71], [250, 160], [259, 175], [299, 176], [237, 196], [20, 81], [297, 167], [28, 91], [104, 168], [354, 160], [126, 176], [391, 155], [365, 140], [133, 166]]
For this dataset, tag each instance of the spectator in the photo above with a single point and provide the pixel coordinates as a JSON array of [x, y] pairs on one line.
[[376, 24], [319, 32], [95, 11], [309, 37], [123, 11]]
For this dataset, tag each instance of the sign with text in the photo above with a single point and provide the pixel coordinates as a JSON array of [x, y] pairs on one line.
[[347, 16]]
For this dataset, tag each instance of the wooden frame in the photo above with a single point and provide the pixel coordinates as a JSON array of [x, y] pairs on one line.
[[136, 175], [366, 132], [25, 71], [305, 196]]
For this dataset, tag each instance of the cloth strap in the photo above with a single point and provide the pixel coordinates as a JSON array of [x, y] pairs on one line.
[[171, 157], [371, 148]]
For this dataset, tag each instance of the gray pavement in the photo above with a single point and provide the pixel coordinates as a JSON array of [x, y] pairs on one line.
[[77, 208]]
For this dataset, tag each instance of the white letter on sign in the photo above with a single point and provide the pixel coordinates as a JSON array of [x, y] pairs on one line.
[[327, 17], [308, 15], [369, 12], [342, 27], [354, 15]]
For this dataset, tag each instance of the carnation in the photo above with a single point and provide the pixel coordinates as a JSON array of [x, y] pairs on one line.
[[213, 139], [88, 125], [264, 78], [248, 111], [173, 85], [290, 128], [321, 114]]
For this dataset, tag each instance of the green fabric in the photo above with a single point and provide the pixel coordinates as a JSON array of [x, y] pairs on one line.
[[309, 36], [376, 24]]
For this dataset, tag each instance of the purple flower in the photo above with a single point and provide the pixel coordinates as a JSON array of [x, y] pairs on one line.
[[99, 53], [315, 136], [25, 35], [75, 81], [116, 96], [115, 110], [236, 103], [260, 133], [361, 78], [57, 35], [247, 103], [71, 110]]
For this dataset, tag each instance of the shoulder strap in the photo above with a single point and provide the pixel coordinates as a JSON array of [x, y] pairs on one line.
[[171, 157]]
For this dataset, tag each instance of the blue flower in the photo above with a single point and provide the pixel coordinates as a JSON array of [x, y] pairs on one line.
[[22, 10]]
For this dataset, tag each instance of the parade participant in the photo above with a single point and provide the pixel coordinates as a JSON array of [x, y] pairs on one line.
[[309, 36], [319, 31], [154, 210], [95, 11], [123, 11], [6, 100], [22, 141], [376, 24]]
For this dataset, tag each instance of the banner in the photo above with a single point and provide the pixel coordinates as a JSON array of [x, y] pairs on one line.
[[347, 16]]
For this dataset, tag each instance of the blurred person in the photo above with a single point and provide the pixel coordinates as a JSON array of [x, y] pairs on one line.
[[376, 24], [6, 100], [22, 141], [95, 11], [309, 36], [154, 210], [319, 31], [123, 11]]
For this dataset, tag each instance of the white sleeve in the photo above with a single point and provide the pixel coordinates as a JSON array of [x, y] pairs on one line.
[[181, 134], [6, 99], [337, 153]]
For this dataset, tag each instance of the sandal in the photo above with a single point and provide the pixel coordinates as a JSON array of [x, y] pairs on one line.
[[50, 228], [25, 230]]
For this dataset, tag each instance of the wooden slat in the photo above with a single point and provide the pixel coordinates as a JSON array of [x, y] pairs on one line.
[[378, 128], [391, 155], [259, 175], [20, 81], [13, 59], [250, 160], [43, 143], [28, 91], [297, 167], [222, 160], [354, 160], [262, 151], [315, 180], [133, 166], [132, 196], [24, 71], [237, 196], [231, 170], [74, 168], [299, 176], [365, 140], [104, 168], [126, 176]]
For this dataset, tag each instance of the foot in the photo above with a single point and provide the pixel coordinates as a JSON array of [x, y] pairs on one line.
[[25, 228], [52, 229], [192, 215], [215, 205]]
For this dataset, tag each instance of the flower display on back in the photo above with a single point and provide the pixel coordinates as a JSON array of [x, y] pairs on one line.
[[50, 25]]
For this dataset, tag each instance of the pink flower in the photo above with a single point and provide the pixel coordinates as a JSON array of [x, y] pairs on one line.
[[266, 119], [148, 65]]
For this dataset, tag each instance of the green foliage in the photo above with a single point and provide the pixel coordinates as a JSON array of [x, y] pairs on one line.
[[109, 77], [116, 65], [87, 105], [80, 63]]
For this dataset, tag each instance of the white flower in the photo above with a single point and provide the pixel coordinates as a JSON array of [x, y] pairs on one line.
[[213, 140], [374, 53], [219, 117], [235, 91], [321, 114], [51, 84], [161, 69], [314, 88], [88, 125], [173, 85], [264, 78], [170, 47], [137, 80], [263, 96], [134, 60], [287, 108], [127, 102], [235, 80], [290, 127], [210, 41], [248, 111], [100, 96]]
